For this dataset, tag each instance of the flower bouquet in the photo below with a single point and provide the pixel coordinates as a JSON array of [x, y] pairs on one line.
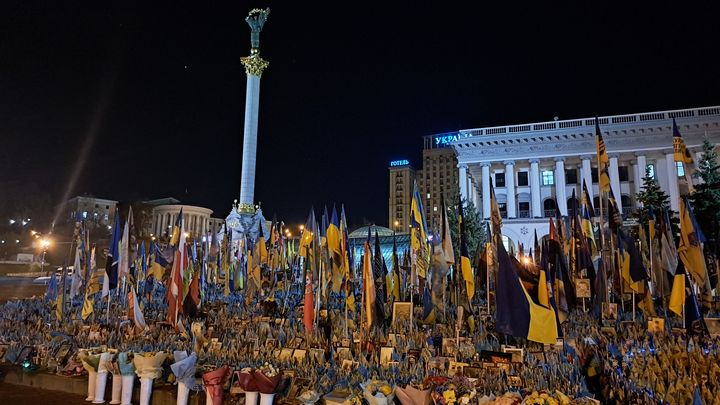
[[453, 391], [184, 370], [214, 381], [309, 397], [267, 379], [546, 398], [378, 392]]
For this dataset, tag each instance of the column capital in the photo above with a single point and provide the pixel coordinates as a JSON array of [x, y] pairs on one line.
[[613, 155], [559, 159], [668, 152], [534, 160], [485, 164], [254, 64], [638, 154], [509, 163], [462, 166], [586, 157]]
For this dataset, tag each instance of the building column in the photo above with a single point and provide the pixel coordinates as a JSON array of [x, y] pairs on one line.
[[586, 175], [672, 180], [560, 193], [485, 189], [536, 203], [510, 188], [615, 180], [462, 180], [640, 170]]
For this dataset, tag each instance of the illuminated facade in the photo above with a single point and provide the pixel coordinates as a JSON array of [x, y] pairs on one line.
[[402, 177], [94, 211], [536, 167], [438, 177]]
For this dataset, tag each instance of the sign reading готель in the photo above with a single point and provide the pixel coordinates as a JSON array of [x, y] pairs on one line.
[[395, 163]]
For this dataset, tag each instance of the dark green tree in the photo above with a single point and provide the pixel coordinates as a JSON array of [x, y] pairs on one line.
[[706, 198], [651, 195], [474, 227]]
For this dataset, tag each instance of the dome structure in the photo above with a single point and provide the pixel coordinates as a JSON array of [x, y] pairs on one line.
[[363, 231]]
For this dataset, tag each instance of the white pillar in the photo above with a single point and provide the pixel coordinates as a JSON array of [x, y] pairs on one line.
[[252, 101], [510, 188], [586, 173], [672, 180], [640, 169], [462, 180], [485, 189], [560, 193], [615, 180], [536, 203]]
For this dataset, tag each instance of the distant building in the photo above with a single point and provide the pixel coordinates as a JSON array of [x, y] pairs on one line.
[[536, 167], [198, 221], [402, 178], [96, 212], [437, 178]]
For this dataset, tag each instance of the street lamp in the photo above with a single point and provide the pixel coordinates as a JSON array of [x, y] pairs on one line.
[[45, 244], [396, 224]]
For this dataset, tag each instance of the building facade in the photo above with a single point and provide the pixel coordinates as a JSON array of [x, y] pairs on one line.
[[536, 167], [438, 178], [402, 178], [197, 219], [97, 212]]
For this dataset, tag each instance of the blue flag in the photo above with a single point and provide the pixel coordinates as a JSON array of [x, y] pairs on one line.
[[52, 290]]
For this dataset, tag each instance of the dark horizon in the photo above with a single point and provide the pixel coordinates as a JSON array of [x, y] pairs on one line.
[[153, 97]]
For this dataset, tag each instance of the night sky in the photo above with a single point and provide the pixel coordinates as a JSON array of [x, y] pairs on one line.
[[147, 101]]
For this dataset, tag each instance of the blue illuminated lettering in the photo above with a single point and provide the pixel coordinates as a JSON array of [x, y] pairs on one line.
[[402, 162]]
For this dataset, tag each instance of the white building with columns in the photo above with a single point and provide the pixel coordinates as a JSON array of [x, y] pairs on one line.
[[534, 165], [197, 219]]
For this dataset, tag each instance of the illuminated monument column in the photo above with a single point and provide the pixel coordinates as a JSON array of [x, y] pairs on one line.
[[244, 219], [254, 66]]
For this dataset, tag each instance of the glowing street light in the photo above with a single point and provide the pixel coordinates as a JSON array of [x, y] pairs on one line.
[[45, 243], [302, 228], [12, 222]]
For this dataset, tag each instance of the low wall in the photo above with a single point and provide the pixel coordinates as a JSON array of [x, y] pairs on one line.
[[162, 395]]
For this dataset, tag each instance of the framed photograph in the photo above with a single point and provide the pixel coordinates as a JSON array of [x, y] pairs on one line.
[[514, 381], [297, 387], [343, 353], [713, 325], [495, 357], [296, 343], [471, 372], [656, 325], [582, 288], [386, 355], [437, 363], [347, 365], [276, 354], [413, 355], [25, 354], [518, 354], [270, 343], [346, 342], [449, 347], [402, 312], [62, 353], [299, 355], [394, 364], [317, 355], [609, 311], [285, 354], [456, 368]]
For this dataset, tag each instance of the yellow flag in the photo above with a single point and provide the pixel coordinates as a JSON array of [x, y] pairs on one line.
[[603, 160], [543, 296], [689, 248]]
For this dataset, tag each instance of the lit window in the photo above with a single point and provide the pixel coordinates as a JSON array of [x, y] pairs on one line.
[[548, 178], [84, 214], [680, 169], [650, 171]]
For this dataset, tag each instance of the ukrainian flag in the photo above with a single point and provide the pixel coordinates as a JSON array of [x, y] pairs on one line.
[[517, 315], [603, 160], [690, 248], [465, 267], [677, 296], [335, 251], [418, 235], [175, 237]]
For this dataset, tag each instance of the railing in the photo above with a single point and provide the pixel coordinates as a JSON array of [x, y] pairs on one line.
[[523, 214], [550, 213], [608, 120]]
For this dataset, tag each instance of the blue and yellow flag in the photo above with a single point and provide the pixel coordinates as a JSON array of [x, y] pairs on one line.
[[418, 235], [465, 268], [334, 244], [690, 248], [175, 236], [516, 314], [603, 160]]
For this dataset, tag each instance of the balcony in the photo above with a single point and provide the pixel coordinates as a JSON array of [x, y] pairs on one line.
[[523, 214]]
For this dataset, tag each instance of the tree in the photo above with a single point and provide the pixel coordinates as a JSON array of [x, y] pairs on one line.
[[651, 195], [706, 198], [474, 227]]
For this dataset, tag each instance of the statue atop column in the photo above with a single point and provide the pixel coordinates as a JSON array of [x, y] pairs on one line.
[[254, 64]]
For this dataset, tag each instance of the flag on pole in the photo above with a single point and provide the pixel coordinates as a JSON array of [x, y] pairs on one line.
[[379, 275], [309, 300], [465, 267], [447, 245], [368, 287], [92, 287], [76, 282], [395, 271], [175, 236], [516, 314], [418, 235], [176, 286], [603, 160], [683, 156], [134, 310], [334, 244], [111, 262], [52, 290], [124, 250], [495, 217], [689, 247]]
